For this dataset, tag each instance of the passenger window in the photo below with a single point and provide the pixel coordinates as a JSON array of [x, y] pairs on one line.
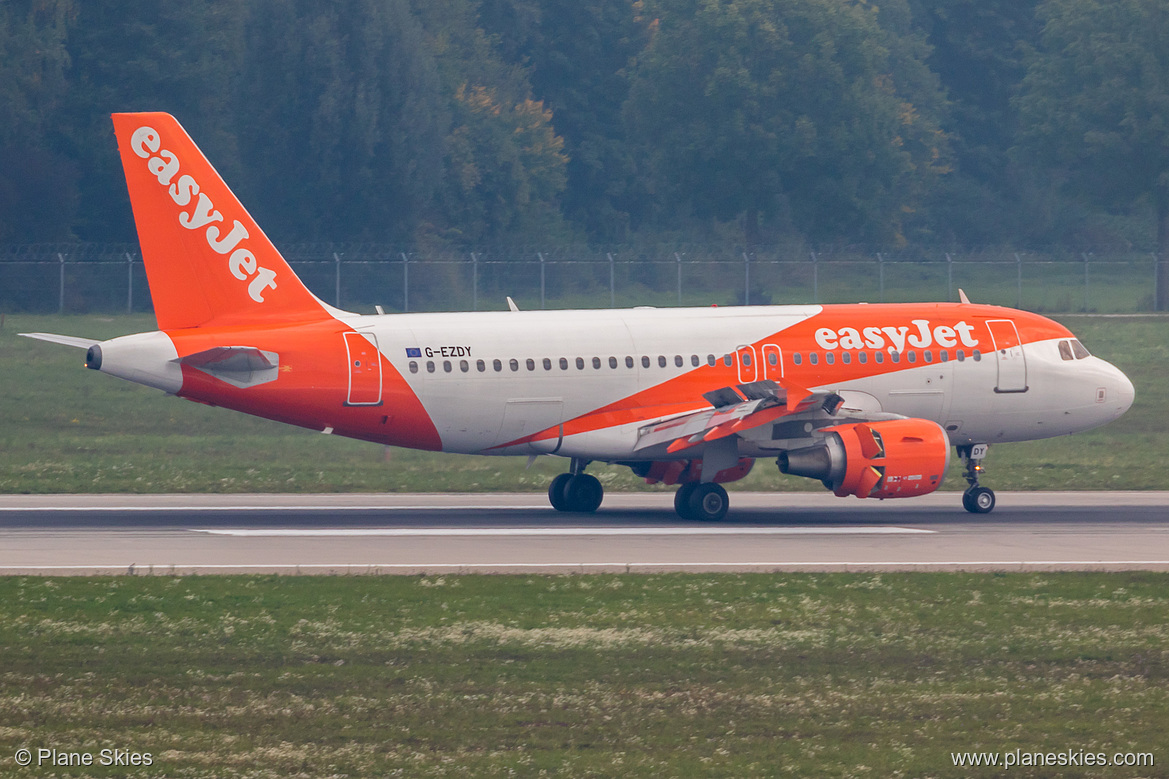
[[694, 360], [563, 363], [580, 363], [661, 361], [710, 360], [547, 364], [613, 362], [464, 366], [746, 359], [678, 361], [514, 364], [480, 366], [928, 355], [645, 361], [430, 366], [911, 356], [531, 364], [446, 365], [728, 360], [413, 367], [829, 358], [944, 355], [628, 361], [772, 358], [797, 359], [879, 357], [977, 356], [497, 365], [1080, 351], [846, 358], [597, 363], [862, 357], [1065, 351], [961, 355], [895, 356], [813, 358]]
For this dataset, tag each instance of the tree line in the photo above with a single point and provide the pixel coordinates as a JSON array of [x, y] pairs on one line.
[[933, 122]]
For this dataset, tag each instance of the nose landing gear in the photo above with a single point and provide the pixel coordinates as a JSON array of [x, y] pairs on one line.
[[576, 492], [976, 499]]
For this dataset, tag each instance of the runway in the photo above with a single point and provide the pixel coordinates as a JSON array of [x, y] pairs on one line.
[[633, 532]]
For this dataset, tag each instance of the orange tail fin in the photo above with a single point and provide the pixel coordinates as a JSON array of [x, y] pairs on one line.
[[207, 261]]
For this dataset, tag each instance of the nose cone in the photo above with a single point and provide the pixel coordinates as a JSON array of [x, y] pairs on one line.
[[1116, 393]]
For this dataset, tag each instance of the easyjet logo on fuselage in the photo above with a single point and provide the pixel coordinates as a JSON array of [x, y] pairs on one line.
[[922, 335], [164, 165]]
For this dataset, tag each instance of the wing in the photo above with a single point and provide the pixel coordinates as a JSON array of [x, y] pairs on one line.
[[734, 410]]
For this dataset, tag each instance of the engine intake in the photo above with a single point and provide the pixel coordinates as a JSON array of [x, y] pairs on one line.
[[900, 458]]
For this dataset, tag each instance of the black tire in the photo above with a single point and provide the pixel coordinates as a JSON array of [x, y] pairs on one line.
[[583, 493], [682, 499], [708, 502], [978, 500], [557, 494]]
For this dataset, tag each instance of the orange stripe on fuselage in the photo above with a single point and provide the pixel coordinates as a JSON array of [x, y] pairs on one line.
[[312, 385], [683, 394]]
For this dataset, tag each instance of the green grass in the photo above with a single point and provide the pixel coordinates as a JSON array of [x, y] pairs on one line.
[[827, 675], [66, 429]]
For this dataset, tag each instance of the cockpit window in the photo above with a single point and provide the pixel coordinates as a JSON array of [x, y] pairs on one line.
[[1079, 350], [1065, 350]]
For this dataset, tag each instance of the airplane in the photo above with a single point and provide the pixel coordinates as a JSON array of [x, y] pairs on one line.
[[869, 399]]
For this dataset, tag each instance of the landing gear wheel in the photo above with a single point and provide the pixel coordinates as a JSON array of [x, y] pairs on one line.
[[583, 493], [682, 499], [708, 502], [557, 493], [978, 500]]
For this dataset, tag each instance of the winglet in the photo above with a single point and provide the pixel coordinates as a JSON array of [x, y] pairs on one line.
[[206, 259]]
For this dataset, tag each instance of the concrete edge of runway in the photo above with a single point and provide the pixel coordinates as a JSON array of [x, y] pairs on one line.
[[537, 500], [568, 569]]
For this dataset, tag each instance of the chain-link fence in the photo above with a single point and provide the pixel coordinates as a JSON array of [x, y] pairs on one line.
[[78, 278]]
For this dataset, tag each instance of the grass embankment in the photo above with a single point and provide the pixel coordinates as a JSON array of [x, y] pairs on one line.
[[664, 675], [66, 429]]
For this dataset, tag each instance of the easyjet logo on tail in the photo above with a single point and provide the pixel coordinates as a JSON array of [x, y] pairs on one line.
[[923, 336], [164, 165]]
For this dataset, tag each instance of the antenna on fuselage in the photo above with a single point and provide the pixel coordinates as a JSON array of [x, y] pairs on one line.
[[962, 297], [511, 304]]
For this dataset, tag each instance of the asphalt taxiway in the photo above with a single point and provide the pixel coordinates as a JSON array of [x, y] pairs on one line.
[[520, 533]]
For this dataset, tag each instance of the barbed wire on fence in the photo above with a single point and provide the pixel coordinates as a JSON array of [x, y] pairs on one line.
[[83, 277]]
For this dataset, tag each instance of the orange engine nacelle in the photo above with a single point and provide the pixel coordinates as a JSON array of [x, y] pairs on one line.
[[682, 471], [900, 458]]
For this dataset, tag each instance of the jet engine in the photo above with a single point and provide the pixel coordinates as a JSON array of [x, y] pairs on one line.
[[899, 458]]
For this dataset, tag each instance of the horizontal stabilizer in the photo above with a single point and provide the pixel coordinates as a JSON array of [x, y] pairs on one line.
[[68, 340], [240, 366]]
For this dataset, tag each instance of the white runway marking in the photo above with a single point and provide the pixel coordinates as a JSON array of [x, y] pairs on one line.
[[423, 532]]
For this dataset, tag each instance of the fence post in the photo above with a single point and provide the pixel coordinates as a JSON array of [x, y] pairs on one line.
[[61, 286], [1018, 281], [405, 283], [541, 256], [612, 283], [679, 259], [474, 282], [1159, 291], [746, 280], [129, 284], [337, 280], [881, 274], [815, 279], [1086, 267], [949, 278]]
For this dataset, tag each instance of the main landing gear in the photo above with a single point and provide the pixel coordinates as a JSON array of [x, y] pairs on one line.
[[704, 501], [976, 499], [576, 492]]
